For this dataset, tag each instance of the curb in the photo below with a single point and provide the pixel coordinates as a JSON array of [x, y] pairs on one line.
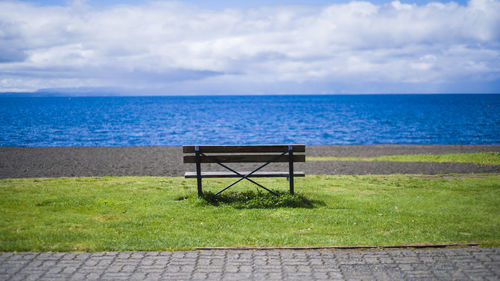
[[360, 247]]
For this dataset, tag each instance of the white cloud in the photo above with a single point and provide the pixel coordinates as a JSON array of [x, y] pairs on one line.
[[167, 47]]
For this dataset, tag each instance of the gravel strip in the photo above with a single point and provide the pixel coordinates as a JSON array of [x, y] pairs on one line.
[[26, 162]]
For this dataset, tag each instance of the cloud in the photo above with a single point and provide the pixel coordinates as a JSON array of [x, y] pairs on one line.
[[173, 48]]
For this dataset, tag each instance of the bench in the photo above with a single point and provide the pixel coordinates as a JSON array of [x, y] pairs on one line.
[[221, 154]]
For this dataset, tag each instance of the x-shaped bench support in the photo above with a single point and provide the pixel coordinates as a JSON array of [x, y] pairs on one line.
[[242, 177]]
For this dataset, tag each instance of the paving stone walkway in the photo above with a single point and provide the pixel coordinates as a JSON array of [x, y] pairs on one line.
[[422, 264]]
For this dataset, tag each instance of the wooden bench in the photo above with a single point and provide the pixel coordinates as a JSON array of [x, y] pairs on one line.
[[220, 154]]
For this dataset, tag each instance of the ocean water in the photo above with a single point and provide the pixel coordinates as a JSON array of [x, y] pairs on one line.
[[311, 120]]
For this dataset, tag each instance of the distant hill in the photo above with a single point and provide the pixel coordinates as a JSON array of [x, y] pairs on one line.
[[69, 92]]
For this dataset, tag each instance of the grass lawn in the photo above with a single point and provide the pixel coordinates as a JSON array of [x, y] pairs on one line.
[[163, 213], [480, 158]]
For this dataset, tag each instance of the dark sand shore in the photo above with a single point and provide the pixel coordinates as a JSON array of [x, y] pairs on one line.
[[17, 162]]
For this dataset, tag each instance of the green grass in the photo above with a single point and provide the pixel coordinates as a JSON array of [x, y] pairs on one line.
[[149, 213], [480, 158]]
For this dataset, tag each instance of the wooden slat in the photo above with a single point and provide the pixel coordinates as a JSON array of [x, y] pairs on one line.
[[228, 158], [228, 174], [244, 148]]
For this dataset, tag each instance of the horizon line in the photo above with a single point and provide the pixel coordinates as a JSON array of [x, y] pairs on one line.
[[61, 94]]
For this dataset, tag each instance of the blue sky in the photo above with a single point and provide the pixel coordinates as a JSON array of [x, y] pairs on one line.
[[218, 4], [250, 47]]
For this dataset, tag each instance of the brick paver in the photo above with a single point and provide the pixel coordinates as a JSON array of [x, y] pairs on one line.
[[422, 264]]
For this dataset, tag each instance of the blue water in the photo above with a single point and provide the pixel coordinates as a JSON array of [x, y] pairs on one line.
[[312, 120]]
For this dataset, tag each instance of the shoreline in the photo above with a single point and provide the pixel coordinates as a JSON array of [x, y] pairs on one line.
[[85, 161]]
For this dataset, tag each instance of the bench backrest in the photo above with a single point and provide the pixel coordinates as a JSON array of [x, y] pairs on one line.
[[244, 153]]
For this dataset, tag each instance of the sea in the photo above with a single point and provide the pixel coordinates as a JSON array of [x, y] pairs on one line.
[[265, 119]]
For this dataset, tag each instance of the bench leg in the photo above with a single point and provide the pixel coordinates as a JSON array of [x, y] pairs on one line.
[[200, 192], [290, 168], [198, 173]]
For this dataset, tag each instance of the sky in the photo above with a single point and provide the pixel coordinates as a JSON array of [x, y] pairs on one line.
[[195, 47]]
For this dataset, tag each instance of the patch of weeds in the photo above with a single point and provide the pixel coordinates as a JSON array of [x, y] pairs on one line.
[[181, 198], [257, 200], [46, 203]]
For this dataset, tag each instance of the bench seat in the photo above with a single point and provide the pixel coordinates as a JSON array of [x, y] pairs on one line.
[[223, 174]]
